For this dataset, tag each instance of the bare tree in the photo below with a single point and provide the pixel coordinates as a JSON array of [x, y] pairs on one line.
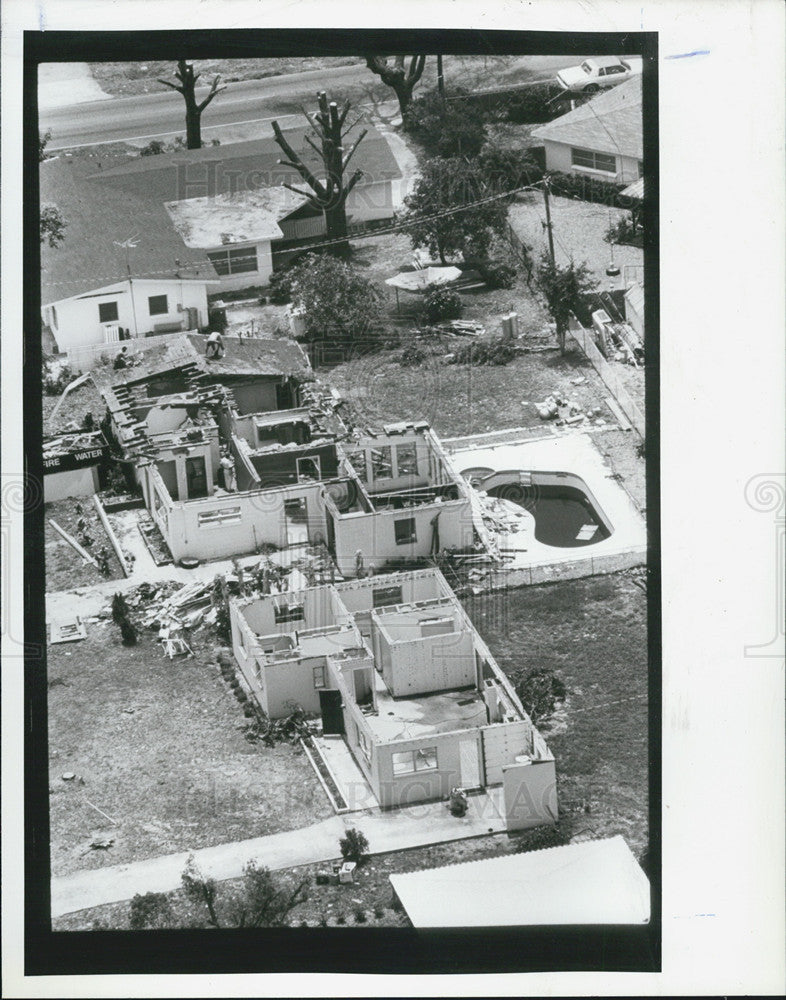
[[397, 75], [188, 78], [329, 194]]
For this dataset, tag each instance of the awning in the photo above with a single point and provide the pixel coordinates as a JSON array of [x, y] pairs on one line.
[[634, 190]]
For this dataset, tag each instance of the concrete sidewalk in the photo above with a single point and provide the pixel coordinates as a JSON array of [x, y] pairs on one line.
[[396, 830]]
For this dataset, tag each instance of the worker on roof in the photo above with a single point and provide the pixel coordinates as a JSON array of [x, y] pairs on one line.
[[215, 345]]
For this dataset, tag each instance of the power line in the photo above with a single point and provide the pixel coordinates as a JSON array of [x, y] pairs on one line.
[[362, 236]]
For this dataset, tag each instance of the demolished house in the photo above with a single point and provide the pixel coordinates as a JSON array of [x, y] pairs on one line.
[[394, 665], [245, 451]]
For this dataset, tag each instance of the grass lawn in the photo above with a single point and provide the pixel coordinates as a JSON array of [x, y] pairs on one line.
[[593, 634], [160, 747]]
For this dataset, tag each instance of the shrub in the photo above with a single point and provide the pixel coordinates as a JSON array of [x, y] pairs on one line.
[[539, 692], [497, 274], [379, 911], [53, 385], [341, 919], [542, 837], [411, 356], [484, 352], [280, 286], [583, 188], [154, 148], [624, 232], [119, 609], [530, 105], [360, 916], [442, 303], [151, 910], [354, 846], [128, 633]]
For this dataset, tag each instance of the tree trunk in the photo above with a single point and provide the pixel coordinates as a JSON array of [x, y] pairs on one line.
[[193, 126]]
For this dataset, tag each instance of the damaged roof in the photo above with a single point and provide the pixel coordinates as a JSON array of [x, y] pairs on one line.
[[97, 219], [609, 123], [233, 218], [251, 356]]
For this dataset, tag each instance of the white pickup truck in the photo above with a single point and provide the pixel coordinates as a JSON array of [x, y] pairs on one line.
[[598, 72]]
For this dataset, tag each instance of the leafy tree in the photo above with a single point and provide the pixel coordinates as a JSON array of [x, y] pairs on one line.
[[563, 288], [397, 75], [446, 128], [52, 225], [187, 87], [262, 902], [354, 846], [259, 901], [328, 195], [153, 910], [508, 168], [337, 301], [443, 187]]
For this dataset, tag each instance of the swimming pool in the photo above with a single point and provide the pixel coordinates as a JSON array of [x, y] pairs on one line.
[[565, 513]]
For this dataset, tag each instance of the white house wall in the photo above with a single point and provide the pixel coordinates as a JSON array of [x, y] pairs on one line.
[[558, 157], [75, 321], [374, 534], [71, 483]]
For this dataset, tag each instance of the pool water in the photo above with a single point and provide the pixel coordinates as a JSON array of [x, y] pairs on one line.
[[564, 516]]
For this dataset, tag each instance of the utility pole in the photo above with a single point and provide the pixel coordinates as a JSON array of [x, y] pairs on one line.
[[547, 224], [440, 79]]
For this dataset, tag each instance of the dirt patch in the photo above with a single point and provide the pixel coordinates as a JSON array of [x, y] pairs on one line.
[[65, 568], [160, 747]]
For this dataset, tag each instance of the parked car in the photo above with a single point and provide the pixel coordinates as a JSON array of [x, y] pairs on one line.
[[601, 71]]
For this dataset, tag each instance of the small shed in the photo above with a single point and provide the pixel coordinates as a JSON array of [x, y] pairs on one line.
[[593, 882]]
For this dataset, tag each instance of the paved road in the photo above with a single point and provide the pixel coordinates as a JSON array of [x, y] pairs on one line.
[[244, 105], [162, 115]]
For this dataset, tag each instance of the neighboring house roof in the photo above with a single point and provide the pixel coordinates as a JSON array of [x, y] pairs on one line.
[[634, 190], [250, 356], [97, 218], [609, 123], [233, 218], [243, 166], [594, 882]]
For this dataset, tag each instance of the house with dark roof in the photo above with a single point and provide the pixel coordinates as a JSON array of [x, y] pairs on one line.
[[601, 138], [122, 269], [146, 235], [230, 203]]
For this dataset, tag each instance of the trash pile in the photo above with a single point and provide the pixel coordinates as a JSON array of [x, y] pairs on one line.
[[564, 411]]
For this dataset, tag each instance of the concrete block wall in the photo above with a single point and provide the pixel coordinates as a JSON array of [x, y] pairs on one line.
[[502, 743]]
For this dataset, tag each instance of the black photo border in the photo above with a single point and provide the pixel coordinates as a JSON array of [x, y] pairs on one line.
[[361, 950]]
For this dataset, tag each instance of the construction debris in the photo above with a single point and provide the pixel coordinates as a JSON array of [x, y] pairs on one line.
[[73, 543], [70, 630]]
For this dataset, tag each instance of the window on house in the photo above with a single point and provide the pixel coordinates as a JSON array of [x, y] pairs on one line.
[[237, 261], [357, 459], [107, 312], [383, 597], [319, 677], [157, 305], [381, 463], [407, 459], [218, 518], [288, 613], [426, 759], [593, 161], [403, 763], [406, 532], [309, 468]]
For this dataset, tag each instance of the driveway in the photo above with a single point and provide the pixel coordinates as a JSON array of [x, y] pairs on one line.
[[61, 85]]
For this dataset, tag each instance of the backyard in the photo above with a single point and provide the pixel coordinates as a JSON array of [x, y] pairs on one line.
[[158, 745]]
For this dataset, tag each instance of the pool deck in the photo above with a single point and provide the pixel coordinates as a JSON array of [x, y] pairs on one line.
[[530, 561]]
